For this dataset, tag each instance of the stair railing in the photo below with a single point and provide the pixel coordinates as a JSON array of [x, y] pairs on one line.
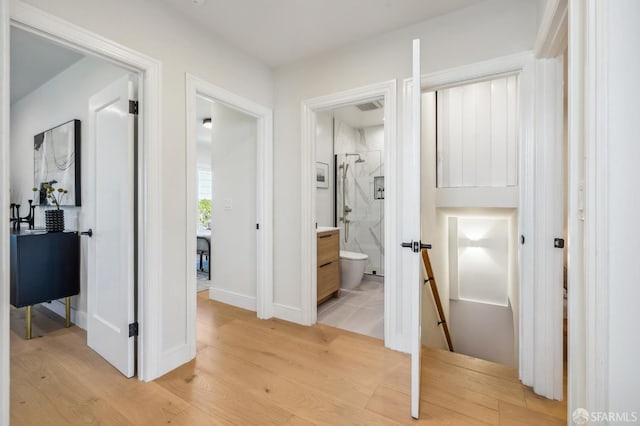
[[436, 297]]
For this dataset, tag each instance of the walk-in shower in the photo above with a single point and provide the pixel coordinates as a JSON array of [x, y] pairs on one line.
[[360, 206], [344, 169]]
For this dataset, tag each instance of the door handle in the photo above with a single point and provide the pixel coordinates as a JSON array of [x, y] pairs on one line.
[[88, 233], [416, 246]]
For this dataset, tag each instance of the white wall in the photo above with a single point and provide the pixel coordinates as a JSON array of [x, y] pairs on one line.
[[233, 218], [483, 331], [514, 283], [478, 134], [624, 203], [483, 31], [183, 47], [324, 154], [63, 98], [203, 156], [481, 246]]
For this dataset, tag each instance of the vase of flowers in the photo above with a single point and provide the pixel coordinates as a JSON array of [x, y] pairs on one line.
[[54, 219]]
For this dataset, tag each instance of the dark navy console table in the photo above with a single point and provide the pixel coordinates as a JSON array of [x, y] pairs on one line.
[[45, 266]]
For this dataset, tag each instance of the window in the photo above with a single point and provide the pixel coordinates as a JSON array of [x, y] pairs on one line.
[[204, 198]]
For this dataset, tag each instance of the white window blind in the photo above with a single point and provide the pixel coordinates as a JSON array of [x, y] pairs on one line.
[[204, 184]]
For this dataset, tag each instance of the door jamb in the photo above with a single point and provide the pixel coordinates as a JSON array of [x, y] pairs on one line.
[[392, 310], [152, 360], [264, 194], [588, 352], [4, 214]]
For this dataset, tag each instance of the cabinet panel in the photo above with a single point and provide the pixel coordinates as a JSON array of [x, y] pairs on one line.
[[328, 279], [328, 264], [44, 267], [328, 247]]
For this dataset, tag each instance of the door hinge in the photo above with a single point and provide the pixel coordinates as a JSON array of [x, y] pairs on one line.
[[558, 242], [133, 107], [257, 226], [133, 329]]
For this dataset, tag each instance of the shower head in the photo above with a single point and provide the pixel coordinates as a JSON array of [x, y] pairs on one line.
[[358, 160]]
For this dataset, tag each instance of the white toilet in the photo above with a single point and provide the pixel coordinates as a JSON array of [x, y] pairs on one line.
[[352, 267]]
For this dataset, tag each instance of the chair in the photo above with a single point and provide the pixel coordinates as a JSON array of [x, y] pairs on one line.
[[203, 249]]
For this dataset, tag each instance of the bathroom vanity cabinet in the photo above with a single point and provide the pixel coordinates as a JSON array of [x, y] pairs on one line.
[[328, 264]]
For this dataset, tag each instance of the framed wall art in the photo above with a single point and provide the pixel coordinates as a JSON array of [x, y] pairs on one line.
[[56, 157], [322, 175]]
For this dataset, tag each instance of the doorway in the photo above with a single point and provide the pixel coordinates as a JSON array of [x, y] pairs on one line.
[[350, 195], [470, 215], [226, 168], [536, 259], [58, 31], [395, 325], [229, 141], [204, 176], [70, 123]]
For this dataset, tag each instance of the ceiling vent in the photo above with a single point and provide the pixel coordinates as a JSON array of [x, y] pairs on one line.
[[370, 106]]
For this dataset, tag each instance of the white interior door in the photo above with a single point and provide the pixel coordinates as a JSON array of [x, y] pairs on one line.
[[410, 254], [110, 262]]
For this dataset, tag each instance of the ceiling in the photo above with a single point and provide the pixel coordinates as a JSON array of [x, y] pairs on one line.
[[358, 119], [282, 31], [34, 61]]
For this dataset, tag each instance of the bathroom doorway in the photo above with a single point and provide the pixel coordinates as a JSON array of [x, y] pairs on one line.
[[350, 209]]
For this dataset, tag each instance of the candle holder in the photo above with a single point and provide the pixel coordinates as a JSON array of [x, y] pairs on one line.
[[16, 220]]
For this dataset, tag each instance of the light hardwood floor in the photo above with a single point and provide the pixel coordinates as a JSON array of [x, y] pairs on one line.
[[249, 371]]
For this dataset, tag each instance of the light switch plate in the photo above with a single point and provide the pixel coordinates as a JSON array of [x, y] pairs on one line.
[[228, 204]]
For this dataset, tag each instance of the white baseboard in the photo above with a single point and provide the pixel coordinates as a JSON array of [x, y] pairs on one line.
[[173, 358], [79, 318], [234, 299], [288, 313]]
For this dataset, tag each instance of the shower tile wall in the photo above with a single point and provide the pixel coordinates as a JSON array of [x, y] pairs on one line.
[[366, 230]]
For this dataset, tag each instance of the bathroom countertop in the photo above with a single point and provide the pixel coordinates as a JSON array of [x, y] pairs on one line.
[[326, 228]]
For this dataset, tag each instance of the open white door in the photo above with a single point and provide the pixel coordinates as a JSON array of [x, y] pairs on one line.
[[110, 264], [410, 254]]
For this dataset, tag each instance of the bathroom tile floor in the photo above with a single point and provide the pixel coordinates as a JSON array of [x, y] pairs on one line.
[[360, 310]]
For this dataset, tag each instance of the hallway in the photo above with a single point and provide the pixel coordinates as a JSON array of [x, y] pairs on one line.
[[250, 371]]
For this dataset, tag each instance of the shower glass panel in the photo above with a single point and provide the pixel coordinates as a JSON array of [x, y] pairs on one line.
[[360, 204]]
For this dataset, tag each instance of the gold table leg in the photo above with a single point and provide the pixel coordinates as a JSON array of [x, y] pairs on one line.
[[67, 303], [28, 317]]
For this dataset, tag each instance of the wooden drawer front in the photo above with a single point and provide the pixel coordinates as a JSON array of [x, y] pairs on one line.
[[328, 279], [328, 247]]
